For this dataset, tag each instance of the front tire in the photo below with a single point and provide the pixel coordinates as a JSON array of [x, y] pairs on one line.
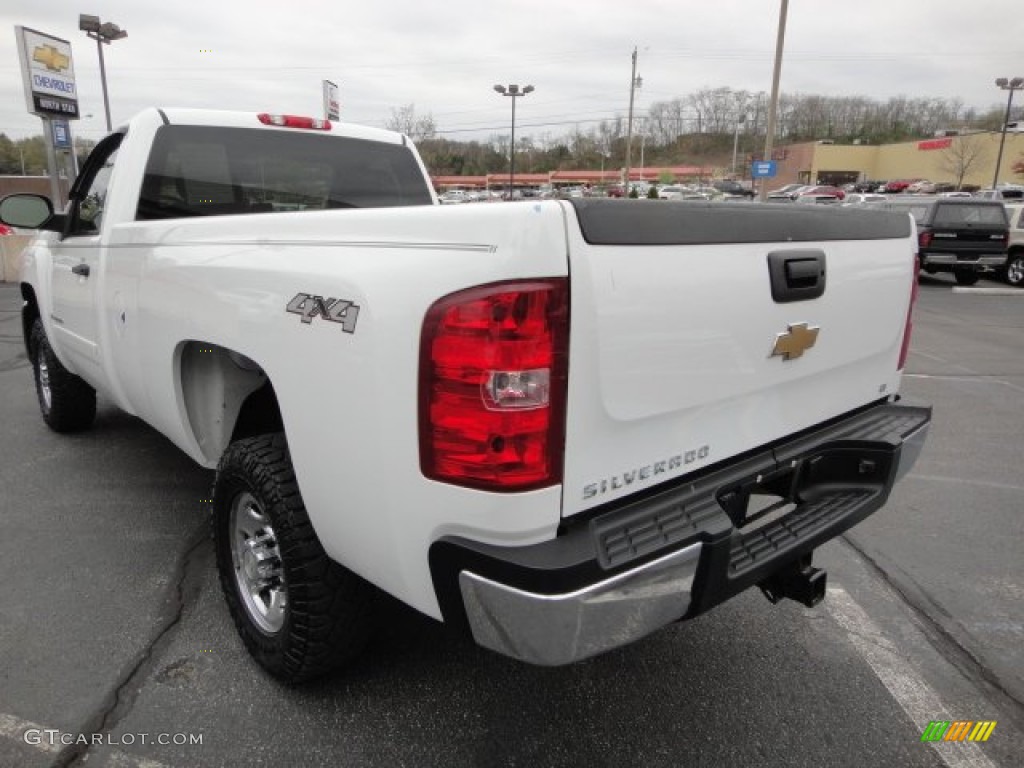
[[299, 613], [1015, 269], [66, 402], [966, 277]]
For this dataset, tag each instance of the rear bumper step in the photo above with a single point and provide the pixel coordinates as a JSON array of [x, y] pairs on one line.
[[672, 554]]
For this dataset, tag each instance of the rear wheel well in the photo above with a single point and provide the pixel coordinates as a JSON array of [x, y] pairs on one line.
[[227, 397], [260, 414]]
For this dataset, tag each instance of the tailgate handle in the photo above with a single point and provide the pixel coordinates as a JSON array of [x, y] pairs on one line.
[[796, 275]]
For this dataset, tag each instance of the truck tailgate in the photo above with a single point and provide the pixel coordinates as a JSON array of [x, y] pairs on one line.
[[681, 356]]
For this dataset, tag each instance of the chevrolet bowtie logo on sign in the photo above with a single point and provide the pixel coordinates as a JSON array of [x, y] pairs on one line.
[[51, 58], [794, 342], [958, 730]]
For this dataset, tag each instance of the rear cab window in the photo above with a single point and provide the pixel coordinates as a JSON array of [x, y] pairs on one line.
[[209, 171], [947, 215]]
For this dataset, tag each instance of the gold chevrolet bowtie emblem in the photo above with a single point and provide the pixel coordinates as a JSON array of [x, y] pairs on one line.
[[794, 342], [51, 58]]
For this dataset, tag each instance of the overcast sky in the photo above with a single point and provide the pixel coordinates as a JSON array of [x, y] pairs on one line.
[[444, 57]]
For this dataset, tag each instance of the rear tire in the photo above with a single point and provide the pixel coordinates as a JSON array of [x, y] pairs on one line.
[[66, 402], [966, 277], [1015, 269], [300, 614]]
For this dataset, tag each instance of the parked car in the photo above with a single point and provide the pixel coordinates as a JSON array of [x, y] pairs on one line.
[[897, 185], [455, 196], [964, 236], [821, 189], [1001, 193], [868, 185], [708, 193], [863, 198], [673, 192], [922, 187], [1014, 271], [786, 191], [813, 199], [731, 187]]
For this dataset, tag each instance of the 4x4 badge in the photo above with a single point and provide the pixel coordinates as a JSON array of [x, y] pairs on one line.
[[793, 343], [332, 310]]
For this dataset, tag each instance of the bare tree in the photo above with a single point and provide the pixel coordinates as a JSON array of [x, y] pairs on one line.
[[961, 155], [404, 120]]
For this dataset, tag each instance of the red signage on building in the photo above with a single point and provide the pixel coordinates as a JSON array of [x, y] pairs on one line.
[[935, 144]]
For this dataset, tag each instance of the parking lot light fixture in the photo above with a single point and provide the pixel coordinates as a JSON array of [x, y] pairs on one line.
[[515, 92], [1011, 85], [103, 32]]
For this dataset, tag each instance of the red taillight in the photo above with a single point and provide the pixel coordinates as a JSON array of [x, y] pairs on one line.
[[493, 372], [294, 121], [909, 326], [924, 239]]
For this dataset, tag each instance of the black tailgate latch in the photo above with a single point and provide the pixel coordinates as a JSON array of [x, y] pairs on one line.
[[796, 275]]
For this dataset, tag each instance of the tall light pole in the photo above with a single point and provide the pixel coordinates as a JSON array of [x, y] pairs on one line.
[[102, 33], [515, 92], [634, 83], [1015, 84]]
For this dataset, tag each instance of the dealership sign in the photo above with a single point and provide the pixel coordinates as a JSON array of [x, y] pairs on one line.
[[935, 144], [48, 73], [332, 102]]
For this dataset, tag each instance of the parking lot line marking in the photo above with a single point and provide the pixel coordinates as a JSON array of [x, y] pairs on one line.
[[913, 694], [989, 291], [14, 729], [122, 760], [965, 481]]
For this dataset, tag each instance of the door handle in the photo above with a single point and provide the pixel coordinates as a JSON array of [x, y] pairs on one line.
[[81, 269]]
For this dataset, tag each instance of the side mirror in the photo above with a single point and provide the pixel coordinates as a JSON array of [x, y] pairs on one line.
[[27, 211]]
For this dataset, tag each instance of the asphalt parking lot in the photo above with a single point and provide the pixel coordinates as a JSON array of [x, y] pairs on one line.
[[113, 630]]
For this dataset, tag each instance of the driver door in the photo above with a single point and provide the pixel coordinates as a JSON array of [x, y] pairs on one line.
[[77, 259]]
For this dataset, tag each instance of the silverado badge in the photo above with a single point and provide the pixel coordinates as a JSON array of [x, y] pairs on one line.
[[794, 342]]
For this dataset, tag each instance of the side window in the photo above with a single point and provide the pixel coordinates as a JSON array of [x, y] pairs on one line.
[[90, 210], [89, 193]]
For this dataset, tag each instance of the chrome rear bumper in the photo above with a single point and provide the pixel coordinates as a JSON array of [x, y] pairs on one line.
[[550, 630]]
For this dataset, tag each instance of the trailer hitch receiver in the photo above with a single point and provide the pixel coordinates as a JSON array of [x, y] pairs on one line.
[[798, 581]]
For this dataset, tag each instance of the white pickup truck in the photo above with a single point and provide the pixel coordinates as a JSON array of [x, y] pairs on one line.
[[557, 425]]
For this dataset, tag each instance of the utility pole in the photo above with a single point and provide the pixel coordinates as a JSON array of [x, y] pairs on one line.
[[629, 124], [773, 105]]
